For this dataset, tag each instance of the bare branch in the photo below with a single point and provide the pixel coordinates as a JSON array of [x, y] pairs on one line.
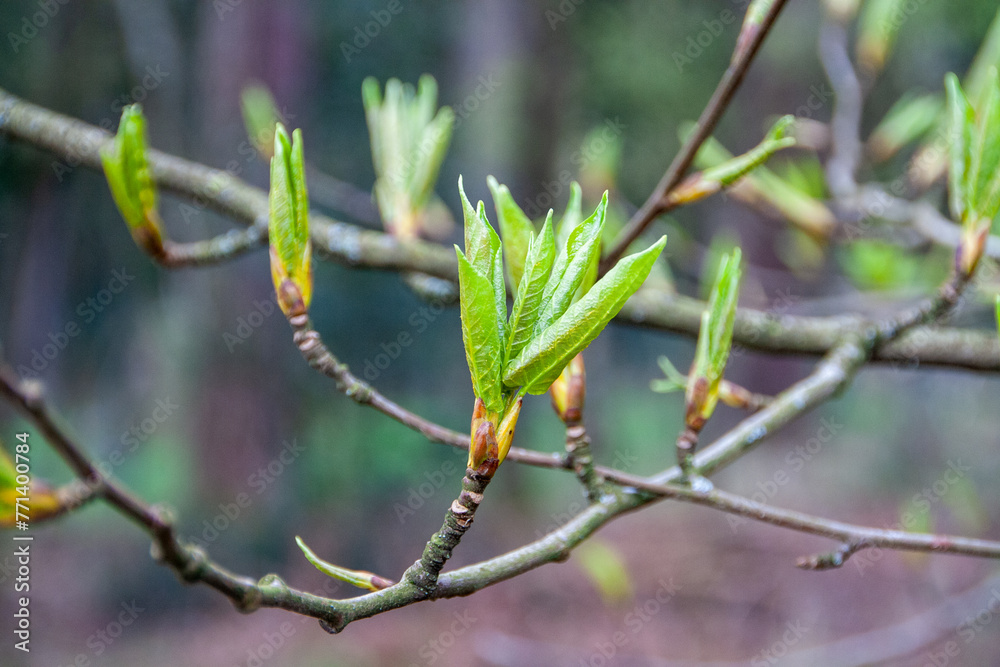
[[717, 105]]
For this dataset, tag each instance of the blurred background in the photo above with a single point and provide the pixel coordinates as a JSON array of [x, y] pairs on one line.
[[190, 382]]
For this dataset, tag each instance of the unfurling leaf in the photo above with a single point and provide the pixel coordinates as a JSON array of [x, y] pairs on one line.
[[480, 334], [573, 266], [908, 120], [408, 141], [573, 215], [516, 229], [528, 300], [714, 179], [973, 163], [544, 358], [288, 224], [714, 341], [132, 187], [674, 380], [799, 207], [358, 578], [877, 29]]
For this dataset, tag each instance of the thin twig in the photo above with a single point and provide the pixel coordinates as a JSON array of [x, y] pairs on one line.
[[845, 125], [216, 250], [717, 105], [855, 538]]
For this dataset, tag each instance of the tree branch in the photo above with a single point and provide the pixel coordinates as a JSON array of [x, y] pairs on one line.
[[717, 105], [76, 141]]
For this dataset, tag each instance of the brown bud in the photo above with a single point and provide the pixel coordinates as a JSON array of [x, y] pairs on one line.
[[484, 453], [697, 395]]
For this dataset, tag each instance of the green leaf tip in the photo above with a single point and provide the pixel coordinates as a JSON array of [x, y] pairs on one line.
[[672, 381], [973, 164], [515, 227], [127, 170], [260, 117], [409, 139], [359, 579], [288, 224], [544, 357], [713, 179], [714, 342]]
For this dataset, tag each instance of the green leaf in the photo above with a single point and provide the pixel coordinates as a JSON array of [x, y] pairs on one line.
[[909, 119], [716, 335], [499, 296], [260, 116], [480, 333], [528, 300], [606, 570], [986, 59], [365, 580], [430, 154], [544, 357], [998, 313], [962, 122], [481, 241], [573, 215], [289, 200], [776, 139], [800, 207], [984, 180], [130, 180], [572, 266], [515, 228], [288, 219], [674, 380], [408, 142], [877, 28]]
